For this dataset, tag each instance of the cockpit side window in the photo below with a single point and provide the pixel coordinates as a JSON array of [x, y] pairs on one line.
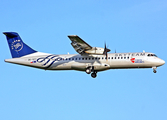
[[152, 55]]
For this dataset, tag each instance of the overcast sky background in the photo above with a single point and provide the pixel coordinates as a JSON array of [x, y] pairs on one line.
[[127, 26]]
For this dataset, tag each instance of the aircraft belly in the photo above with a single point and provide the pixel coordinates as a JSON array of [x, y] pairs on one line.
[[83, 66], [101, 67]]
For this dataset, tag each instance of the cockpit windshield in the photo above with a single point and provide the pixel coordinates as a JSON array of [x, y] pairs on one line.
[[152, 55]]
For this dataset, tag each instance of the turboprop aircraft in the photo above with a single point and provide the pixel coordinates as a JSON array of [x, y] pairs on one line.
[[90, 59]]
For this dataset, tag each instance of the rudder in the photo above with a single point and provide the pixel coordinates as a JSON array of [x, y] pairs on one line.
[[17, 47]]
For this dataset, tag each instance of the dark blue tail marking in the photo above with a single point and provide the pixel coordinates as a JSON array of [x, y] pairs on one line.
[[17, 47]]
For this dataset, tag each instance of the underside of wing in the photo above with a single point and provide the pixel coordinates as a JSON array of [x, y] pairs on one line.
[[78, 44]]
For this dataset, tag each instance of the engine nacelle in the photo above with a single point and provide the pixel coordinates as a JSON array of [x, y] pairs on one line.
[[95, 50]]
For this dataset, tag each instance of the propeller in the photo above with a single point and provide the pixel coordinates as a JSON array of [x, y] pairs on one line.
[[106, 50]]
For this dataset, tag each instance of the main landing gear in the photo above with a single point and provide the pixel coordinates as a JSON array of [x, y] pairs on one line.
[[91, 69], [154, 69], [94, 74]]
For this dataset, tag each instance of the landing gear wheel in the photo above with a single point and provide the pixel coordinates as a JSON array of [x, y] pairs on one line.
[[154, 71], [94, 75], [88, 70]]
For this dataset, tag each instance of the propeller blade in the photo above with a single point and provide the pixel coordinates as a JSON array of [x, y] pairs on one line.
[[105, 51]]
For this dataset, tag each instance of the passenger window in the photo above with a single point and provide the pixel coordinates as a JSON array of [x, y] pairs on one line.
[[79, 58], [124, 57], [69, 58], [111, 57], [85, 58], [108, 57], [92, 58], [82, 58], [127, 57], [118, 57], [115, 57], [75, 58], [121, 57]]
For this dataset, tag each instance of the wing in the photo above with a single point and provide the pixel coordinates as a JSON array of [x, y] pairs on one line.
[[78, 44]]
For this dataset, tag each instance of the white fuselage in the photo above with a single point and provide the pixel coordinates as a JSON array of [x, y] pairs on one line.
[[78, 62]]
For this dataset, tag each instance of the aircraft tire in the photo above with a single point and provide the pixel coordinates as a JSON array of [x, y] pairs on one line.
[[154, 71], [88, 71], [94, 75]]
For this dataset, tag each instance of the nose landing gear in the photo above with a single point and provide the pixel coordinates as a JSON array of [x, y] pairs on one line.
[[154, 69]]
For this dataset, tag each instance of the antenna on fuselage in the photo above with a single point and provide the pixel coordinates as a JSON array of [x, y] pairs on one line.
[[115, 51]]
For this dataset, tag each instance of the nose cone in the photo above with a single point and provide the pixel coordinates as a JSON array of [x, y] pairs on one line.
[[162, 62]]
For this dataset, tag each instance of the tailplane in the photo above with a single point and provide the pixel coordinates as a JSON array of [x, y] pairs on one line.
[[17, 47]]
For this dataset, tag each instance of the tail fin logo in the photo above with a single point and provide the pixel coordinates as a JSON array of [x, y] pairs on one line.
[[17, 45]]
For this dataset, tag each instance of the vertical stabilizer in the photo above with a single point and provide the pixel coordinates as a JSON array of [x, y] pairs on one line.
[[17, 47]]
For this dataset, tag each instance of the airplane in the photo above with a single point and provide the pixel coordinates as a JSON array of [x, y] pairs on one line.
[[90, 59]]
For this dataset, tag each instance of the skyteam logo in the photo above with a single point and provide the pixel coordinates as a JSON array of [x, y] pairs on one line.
[[48, 60], [133, 60], [17, 45]]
